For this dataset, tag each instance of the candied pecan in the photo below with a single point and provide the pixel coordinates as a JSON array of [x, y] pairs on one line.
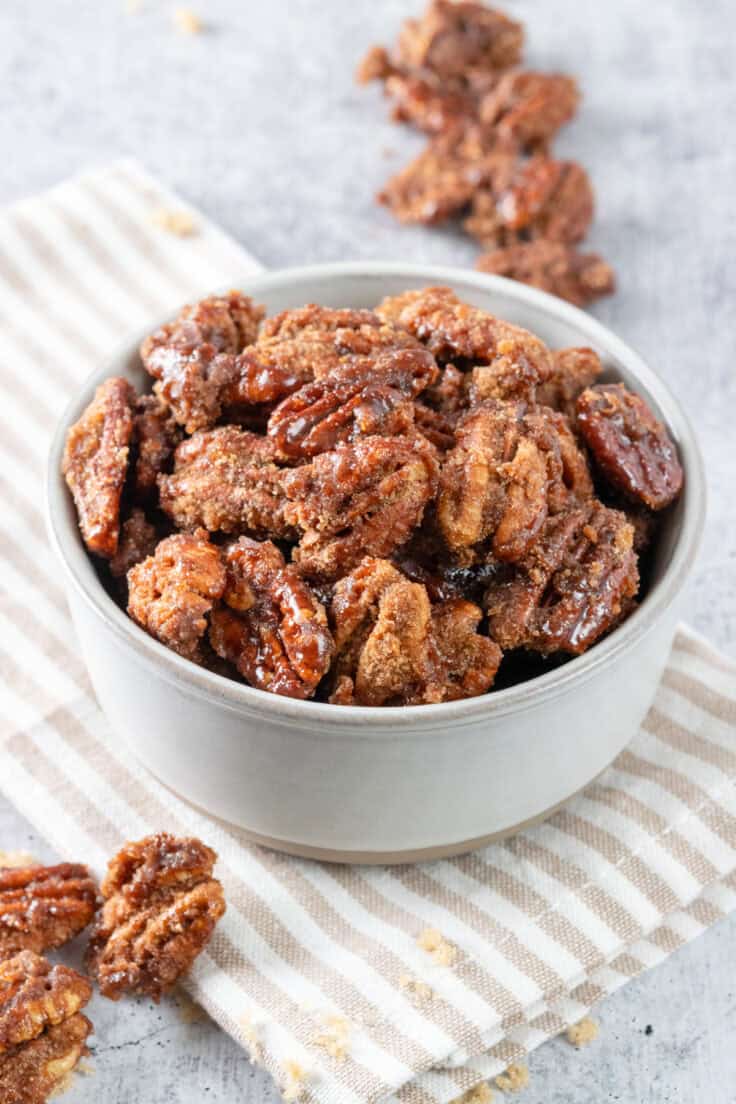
[[437, 427], [630, 446], [161, 907], [517, 360], [530, 107], [388, 651], [511, 467], [226, 479], [361, 498], [35, 995], [96, 462], [444, 177], [376, 65], [575, 583], [138, 539], [194, 357], [457, 41], [573, 370], [271, 627], [171, 593], [552, 266], [538, 198], [359, 398], [429, 105], [42, 907], [38, 1070], [155, 435]]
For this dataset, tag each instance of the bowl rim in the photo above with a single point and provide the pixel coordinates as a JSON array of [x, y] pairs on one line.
[[528, 695]]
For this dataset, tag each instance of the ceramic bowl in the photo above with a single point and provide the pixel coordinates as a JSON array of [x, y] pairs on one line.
[[364, 784]]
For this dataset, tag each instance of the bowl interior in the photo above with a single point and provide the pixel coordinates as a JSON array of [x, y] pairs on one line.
[[364, 285]]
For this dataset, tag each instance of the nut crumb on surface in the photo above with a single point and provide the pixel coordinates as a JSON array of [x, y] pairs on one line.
[[440, 950], [479, 1094], [513, 1079], [582, 1033], [334, 1038], [415, 987], [295, 1078], [177, 222], [187, 21]]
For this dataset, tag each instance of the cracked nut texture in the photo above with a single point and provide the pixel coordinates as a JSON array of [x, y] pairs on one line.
[[161, 907], [271, 626], [43, 907], [96, 462]]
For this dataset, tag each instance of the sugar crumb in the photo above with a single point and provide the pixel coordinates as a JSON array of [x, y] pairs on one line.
[[17, 858], [250, 1032], [334, 1038], [295, 1080], [513, 1079], [415, 987], [178, 222], [440, 950], [187, 21], [580, 1034], [479, 1094]]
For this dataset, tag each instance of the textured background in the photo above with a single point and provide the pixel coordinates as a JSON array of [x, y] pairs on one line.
[[258, 122]]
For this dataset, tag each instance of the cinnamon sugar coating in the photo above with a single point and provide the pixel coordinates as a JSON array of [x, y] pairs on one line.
[[171, 593], [573, 370], [512, 467], [161, 907], [35, 995], [395, 648], [43, 907], [270, 626], [95, 463], [529, 107], [155, 436], [360, 499], [138, 539], [39, 1069], [576, 582], [226, 479], [631, 447], [555, 267]]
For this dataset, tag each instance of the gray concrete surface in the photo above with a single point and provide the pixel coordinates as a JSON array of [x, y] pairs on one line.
[[257, 121]]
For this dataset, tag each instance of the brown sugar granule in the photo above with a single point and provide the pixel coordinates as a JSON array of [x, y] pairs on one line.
[[513, 1079], [479, 1094], [582, 1033], [174, 221], [334, 1037], [187, 21]]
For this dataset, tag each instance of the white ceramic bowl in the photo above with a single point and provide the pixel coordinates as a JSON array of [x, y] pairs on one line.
[[366, 784]]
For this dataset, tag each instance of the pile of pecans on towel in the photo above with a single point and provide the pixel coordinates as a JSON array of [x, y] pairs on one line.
[[455, 75]]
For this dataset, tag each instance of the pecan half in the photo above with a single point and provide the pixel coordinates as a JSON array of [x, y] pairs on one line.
[[43, 907], [576, 582], [38, 1070], [630, 446], [553, 266], [226, 480], [360, 398], [530, 107], [360, 499], [511, 467], [95, 463], [161, 907], [35, 995], [460, 41], [389, 651], [194, 360], [171, 593], [271, 626]]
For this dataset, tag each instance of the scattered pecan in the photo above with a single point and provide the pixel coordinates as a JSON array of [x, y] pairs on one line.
[[96, 462], [271, 626], [194, 358], [553, 266], [460, 41], [171, 593], [155, 435], [528, 107], [511, 467], [35, 995], [360, 499], [226, 479], [43, 907], [42, 1030], [138, 540], [359, 398], [573, 370], [576, 582], [630, 446], [389, 651], [161, 907]]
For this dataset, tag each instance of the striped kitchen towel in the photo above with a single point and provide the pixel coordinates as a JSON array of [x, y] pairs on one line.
[[351, 985]]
